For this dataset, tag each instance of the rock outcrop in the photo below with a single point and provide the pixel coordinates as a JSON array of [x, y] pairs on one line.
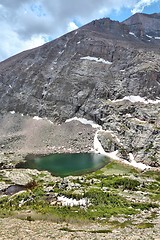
[[144, 25]]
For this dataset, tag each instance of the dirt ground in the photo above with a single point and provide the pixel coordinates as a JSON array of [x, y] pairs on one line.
[[17, 229], [26, 135]]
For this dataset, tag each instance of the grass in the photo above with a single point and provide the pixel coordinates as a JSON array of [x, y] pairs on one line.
[[144, 225], [66, 229], [151, 174], [120, 182], [115, 177], [80, 230], [102, 231], [117, 224], [116, 168], [152, 216]]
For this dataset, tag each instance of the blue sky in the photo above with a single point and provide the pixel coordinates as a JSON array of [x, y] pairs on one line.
[[30, 23], [124, 13]]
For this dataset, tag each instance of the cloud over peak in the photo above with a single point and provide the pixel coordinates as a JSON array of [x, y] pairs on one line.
[[140, 5]]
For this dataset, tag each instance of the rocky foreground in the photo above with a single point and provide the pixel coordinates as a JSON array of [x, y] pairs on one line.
[[120, 203], [16, 229]]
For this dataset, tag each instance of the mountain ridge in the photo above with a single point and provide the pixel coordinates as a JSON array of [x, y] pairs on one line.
[[52, 60], [101, 22], [144, 24]]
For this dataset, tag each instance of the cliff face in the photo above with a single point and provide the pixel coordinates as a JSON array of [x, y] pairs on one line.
[[58, 79], [144, 25], [79, 73]]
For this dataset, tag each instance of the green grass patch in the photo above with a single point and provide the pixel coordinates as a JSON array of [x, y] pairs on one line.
[[117, 224], [118, 168], [151, 174], [155, 197], [120, 182], [152, 216], [102, 231], [66, 229], [80, 230], [144, 206], [144, 225]]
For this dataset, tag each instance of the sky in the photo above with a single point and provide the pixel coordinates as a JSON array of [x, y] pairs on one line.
[[26, 24]]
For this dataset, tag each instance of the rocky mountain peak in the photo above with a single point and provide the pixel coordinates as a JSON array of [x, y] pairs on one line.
[[107, 26], [102, 60], [144, 24]]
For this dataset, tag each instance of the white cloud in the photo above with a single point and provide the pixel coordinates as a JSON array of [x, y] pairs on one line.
[[35, 41], [12, 43], [71, 26], [140, 5]]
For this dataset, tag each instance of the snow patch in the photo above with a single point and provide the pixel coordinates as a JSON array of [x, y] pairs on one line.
[[149, 36], [79, 42], [97, 145], [44, 93], [138, 120], [61, 52], [99, 149], [131, 33], [12, 112], [101, 60], [72, 202], [128, 115], [135, 164], [157, 38], [48, 120], [84, 121], [134, 99], [131, 157], [113, 155], [37, 118]]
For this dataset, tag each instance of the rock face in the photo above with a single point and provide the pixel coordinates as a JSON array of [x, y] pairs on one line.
[[144, 25], [78, 73]]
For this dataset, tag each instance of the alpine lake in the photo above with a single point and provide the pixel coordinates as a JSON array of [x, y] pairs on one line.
[[65, 164]]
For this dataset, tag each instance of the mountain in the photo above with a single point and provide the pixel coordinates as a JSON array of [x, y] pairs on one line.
[[144, 25], [106, 71]]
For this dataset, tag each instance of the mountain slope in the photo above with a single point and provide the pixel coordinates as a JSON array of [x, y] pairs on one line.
[[80, 72], [144, 25], [41, 80]]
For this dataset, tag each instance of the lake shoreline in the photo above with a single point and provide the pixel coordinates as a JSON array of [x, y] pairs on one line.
[[24, 135]]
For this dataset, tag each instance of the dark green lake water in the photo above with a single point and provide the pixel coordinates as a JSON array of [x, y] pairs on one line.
[[66, 164]]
